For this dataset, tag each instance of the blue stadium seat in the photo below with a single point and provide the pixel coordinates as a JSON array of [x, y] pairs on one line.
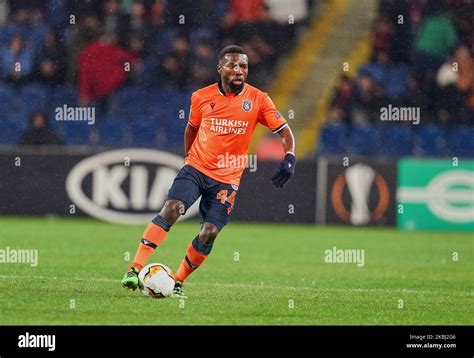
[[461, 141], [364, 140], [10, 131], [168, 100], [111, 131], [132, 102], [200, 34], [64, 95], [396, 140], [6, 100], [4, 36], [157, 100], [163, 40], [220, 9], [174, 131], [144, 132], [76, 132], [429, 140], [333, 139], [34, 98], [11, 29], [184, 100]]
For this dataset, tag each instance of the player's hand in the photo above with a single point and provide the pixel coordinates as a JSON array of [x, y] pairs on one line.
[[285, 171]]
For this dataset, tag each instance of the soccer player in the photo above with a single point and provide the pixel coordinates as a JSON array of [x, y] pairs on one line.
[[221, 122]]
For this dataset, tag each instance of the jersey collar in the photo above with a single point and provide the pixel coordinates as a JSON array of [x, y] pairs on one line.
[[222, 92]]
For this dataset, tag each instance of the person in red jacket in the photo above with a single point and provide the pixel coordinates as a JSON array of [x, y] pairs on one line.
[[102, 67]]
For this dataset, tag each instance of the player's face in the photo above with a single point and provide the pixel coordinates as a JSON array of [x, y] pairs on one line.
[[234, 69]]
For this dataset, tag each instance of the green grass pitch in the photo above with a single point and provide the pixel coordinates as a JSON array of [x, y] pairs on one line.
[[256, 275]]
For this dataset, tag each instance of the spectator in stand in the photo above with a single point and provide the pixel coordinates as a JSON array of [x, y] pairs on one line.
[[57, 14], [39, 132], [382, 36], [137, 25], [18, 23], [50, 64], [86, 30], [115, 22], [336, 115], [368, 100], [193, 13], [16, 61], [465, 26], [204, 67], [176, 66], [455, 91], [256, 64], [435, 40], [415, 97], [289, 17], [4, 10], [102, 68], [392, 77], [246, 11], [25, 4], [250, 24], [396, 14], [243, 20], [281, 10], [157, 13], [465, 83], [343, 98]]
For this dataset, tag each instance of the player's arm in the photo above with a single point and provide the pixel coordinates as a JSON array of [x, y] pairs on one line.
[[288, 140], [287, 166], [190, 134], [274, 121]]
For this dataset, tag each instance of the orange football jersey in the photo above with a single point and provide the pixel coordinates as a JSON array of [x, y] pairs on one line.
[[226, 123]]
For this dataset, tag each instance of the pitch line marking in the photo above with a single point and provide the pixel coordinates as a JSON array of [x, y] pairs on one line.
[[97, 279]]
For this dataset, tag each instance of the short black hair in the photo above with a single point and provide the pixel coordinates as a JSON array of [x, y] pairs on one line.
[[231, 49]]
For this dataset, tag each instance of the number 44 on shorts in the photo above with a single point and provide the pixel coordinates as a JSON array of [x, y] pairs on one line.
[[222, 196]]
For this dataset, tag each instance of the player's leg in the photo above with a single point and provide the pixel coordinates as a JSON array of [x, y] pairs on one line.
[[198, 250], [216, 206], [154, 235], [183, 193]]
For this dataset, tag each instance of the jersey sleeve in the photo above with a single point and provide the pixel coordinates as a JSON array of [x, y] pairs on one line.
[[269, 116], [195, 115]]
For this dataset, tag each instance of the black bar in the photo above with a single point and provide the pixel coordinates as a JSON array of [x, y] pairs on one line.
[[370, 340]]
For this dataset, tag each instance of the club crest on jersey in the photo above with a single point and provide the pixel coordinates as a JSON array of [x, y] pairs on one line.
[[247, 105]]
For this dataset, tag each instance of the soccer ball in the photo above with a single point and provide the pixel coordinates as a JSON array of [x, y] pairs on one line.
[[157, 279]]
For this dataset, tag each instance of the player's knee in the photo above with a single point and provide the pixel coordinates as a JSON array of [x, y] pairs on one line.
[[172, 210], [208, 233]]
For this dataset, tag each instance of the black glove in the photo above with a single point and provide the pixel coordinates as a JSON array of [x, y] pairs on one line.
[[285, 171]]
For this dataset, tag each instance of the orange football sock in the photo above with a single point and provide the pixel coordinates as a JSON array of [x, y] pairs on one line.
[[191, 262], [152, 237]]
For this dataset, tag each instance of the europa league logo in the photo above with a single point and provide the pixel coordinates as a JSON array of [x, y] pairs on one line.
[[359, 179]]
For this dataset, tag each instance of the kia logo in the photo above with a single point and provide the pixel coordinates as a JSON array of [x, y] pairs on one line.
[[128, 186]]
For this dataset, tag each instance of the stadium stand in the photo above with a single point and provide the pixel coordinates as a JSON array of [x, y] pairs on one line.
[[148, 106], [425, 63]]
